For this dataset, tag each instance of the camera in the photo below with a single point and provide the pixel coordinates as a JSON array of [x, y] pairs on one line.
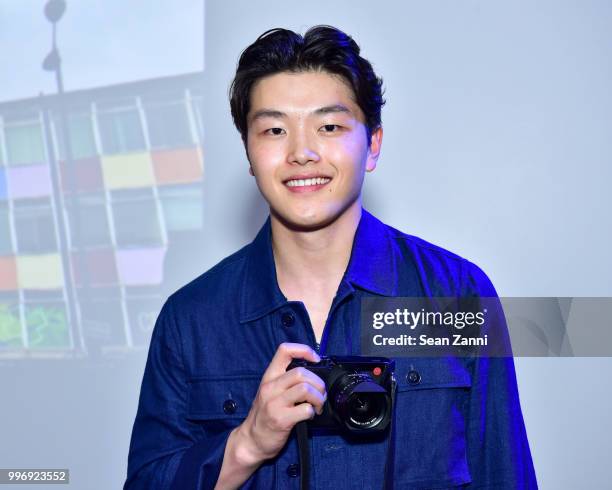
[[359, 392]]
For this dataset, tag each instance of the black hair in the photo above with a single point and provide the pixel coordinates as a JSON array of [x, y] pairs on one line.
[[322, 48]]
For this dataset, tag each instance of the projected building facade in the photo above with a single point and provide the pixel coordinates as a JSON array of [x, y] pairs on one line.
[[89, 214]]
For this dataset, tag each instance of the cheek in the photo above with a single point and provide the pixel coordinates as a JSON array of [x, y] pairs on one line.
[[345, 151], [264, 163], [265, 156], [349, 161]]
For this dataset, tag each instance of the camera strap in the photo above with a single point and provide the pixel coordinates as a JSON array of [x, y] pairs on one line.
[[301, 430], [390, 459]]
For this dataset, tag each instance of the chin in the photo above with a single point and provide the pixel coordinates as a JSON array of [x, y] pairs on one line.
[[305, 222]]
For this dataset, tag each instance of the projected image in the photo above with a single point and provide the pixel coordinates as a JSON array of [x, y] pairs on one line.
[[93, 190]]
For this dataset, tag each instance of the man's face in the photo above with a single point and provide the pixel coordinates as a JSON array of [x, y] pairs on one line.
[[308, 147]]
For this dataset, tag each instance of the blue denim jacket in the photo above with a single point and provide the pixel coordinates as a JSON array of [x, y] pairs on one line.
[[459, 425]]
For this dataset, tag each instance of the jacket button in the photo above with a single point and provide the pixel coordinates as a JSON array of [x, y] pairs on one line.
[[293, 470], [229, 406], [413, 377], [287, 319]]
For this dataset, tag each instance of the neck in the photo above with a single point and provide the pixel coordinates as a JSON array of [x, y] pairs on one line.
[[309, 259]]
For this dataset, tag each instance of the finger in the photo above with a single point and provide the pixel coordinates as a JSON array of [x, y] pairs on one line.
[[283, 356], [303, 392], [303, 411], [295, 376]]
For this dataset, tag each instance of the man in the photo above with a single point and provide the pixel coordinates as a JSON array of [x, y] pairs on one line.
[[217, 406]]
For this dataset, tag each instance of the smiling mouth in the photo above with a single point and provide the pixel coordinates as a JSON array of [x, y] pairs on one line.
[[307, 182]]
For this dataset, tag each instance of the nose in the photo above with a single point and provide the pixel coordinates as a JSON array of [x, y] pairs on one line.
[[301, 150]]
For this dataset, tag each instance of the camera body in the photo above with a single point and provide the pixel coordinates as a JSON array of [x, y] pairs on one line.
[[359, 392]]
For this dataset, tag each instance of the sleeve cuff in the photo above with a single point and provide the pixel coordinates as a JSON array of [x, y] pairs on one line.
[[201, 464]]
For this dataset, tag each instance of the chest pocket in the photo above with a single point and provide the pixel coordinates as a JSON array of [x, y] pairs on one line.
[[218, 404], [221, 398], [431, 412]]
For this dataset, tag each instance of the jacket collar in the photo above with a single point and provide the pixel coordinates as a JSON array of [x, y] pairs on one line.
[[371, 268], [260, 291], [372, 264]]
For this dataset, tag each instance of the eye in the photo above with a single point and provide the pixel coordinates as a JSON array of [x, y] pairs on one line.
[[274, 131], [331, 128]]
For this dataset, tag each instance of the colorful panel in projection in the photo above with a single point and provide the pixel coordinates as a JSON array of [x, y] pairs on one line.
[[3, 189], [177, 166], [40, 271], [8, 273], [47, 325], [139, 267], [87, 175], [128, 170], [101, 268], [10, 326], [29, 181], [182, 206]]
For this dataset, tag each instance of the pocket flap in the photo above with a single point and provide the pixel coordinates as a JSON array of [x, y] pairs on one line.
[[427, 373], [222, 397]]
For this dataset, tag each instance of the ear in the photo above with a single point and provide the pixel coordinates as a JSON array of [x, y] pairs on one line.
[[374, 150]]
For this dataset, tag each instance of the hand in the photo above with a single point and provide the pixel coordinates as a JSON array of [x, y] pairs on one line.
[[283, 399]]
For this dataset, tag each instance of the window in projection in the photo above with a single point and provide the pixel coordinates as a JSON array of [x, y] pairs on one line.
[[120, 127], [24, 140], [80, 133], [168, 123], [34, 226], [90, 227], [95, 187], [137, 221]]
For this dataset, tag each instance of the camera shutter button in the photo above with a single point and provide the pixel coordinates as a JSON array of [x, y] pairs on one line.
[[287, 319], [229, 406], [413, 377]]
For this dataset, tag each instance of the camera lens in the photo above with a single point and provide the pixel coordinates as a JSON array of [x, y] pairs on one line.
[[366, 409], [360, 402]]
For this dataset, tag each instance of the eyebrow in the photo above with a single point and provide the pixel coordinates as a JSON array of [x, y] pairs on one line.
[[272, 113]]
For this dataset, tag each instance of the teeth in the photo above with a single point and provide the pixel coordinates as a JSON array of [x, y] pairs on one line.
[[305, 182]]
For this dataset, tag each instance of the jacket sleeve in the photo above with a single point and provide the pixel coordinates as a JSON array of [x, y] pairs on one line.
[[166, 450], [497, 445]]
